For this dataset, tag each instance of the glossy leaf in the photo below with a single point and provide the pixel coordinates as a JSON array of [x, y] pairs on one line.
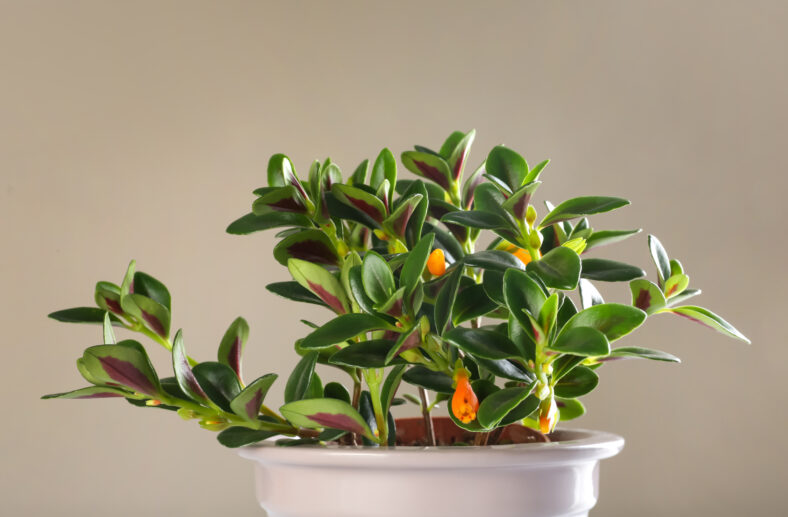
[[414, 265], [92, 392], [326, 413], [359, 176], [518, 202], [234, 437], [482, 343], [707, 318], [523, 339], [569, 409], [606, 270], [154, 315], [684, 296], [126, 364], [475, 219], [335, 390], [361, 200], [493, 259], [522, 292], [248, 402], [390, 386], [183, 371], [508, 166], [660, 257], [495, 407], [589, 296], [470, 185], [559, 268], [364, 354], [300, 377], [406, 341], [321, 283], [646, 296], [584, 341], [614, 320], [675, 285], [147, 286], [429, 379], [107, 296], [232, 345], [397, 222], [281, 199], [535, 172], [310, 245], [578, 382], [505, 369], [83, 315], [294, 291], [384, 168], [604, 237], [459, 154], [644, 353], [444, 303], [219, 382], [523, 410], [377, 277], [342, 328], [472, 302], [428, 165], [580, 206]]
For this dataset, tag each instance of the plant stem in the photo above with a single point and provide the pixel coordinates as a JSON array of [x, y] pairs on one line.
[[429, 430]]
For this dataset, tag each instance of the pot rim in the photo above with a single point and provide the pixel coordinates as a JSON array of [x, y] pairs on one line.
[[581, 445]]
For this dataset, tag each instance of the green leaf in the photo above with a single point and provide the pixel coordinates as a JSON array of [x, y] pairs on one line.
[[126, 364], [361, 200], [154, 315], [521, 292], [326, 412], [232, 345], [342, 328], [84, 315], [319, 281], [300, 377], [534, 173], [414, 265], [578, 382], [505, 369], [483, 343], [472, 302], [517, 203], [523, 339], [234, 437], [508, 166], [219, 382], [148, 286], [646, 296], [390, 386], [495, 407], [614, 320], [406, 341], [335, 390], [459, 153], [559, 268], [183, 371], [609, 270], [493, 259], [549, 313], [385, 168], [358, 292], [569, 409], [428, 165], [589, 296], [108, 333], [580, 206], [107, 296], [644, 353], [280, 199], [707, 318], [675, 285], [604, 237], [251, 223], [377, 277], [475, 219], [660, 257], [416, 222], [523, 410], [315, 388], [364, 354], [469, 187], [248, 402], [428, 379], [397, 222], [294, 291], [444, 303], [564, 364], [684, 296], [583, 341], [310, 245], [92, 392], [359, 176]]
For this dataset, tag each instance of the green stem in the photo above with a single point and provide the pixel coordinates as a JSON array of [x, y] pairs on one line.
[[373, 377]]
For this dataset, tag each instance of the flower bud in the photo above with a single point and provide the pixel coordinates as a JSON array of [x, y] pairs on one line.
[[436, 263], [530, 215], [464, 403], [535, 239]]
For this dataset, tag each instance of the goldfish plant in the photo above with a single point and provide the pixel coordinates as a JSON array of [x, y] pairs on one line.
[[513, 332]]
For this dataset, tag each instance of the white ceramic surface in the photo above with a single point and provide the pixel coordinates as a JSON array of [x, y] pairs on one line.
[[527, 480]]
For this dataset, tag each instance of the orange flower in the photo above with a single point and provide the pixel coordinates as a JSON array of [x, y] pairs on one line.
[[520, 253], [436, 263], [464, 403], [547, 418]]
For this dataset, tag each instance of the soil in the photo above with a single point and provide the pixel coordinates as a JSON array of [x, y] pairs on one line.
[[410, 432]]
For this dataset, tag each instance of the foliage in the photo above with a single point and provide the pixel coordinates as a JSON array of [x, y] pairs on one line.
[[411, 300]]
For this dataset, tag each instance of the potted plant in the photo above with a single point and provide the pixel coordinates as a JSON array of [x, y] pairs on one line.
[[507, 336]]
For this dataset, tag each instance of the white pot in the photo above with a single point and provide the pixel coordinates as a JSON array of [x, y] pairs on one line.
[[525, 480]]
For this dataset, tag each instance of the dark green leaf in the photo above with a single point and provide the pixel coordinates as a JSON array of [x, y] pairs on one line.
[[232, 345], [342, 328], [84, 315], [589, 296], [707, 318], [126, 364], [660, 258], [496, 406], [390, 386], [580, 206], [646, 296], [92, 392], [428, 165], [239, 436], [521, 292], [523, 410], [385, 168], [294, 291], [149, 287], [446, 297], [569, 409], [183, 371], [579, 381], [475, 219], [472, 302], [431, 380], [584, 341], [248, 402], [508, 166], [321, 282], [219, 382], [335, 390], [559, 268], [310, 245], [301, 376], [644, 353], [614, 320], [365, 354], [414, 265], [326, 412], [483, 343], [494, 259], [603, 237], [505, 369], [377, 277], [610, 270]]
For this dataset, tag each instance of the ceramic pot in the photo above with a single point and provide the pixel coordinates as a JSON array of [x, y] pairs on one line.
[[555, 479]]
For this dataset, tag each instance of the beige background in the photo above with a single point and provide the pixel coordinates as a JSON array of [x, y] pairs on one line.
[[138, 130]]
